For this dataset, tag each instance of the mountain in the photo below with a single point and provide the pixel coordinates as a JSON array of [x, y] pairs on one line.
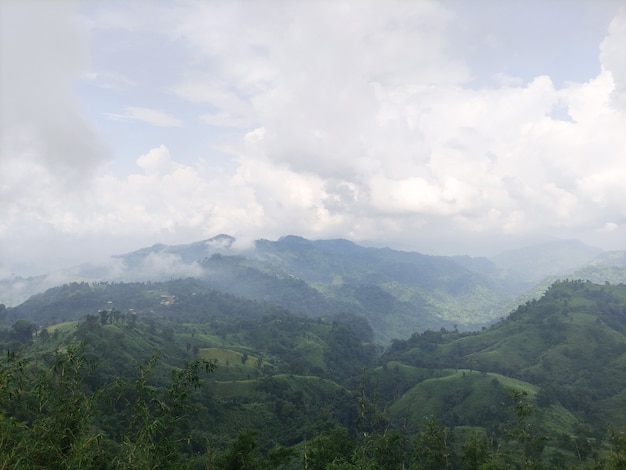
[[544, 388], [396, 291], [569, 346], [608, 267], [158, 262], [534, 263], [126, 376], [610, 258], [185, 254]]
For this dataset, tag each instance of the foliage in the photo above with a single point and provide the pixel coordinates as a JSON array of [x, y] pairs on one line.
[[123, 389]]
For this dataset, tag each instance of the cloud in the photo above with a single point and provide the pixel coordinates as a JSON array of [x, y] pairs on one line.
[[156, 161], [154, 267], [147, 115], [110, 80], [223, 119], [325, 119], [43, 51], [159, 266], [613, 57]]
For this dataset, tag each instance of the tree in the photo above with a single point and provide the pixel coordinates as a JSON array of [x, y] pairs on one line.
[[54, 427], [44, 335], [334, 447], [23, 331], [240, 455], [104, 317], [432, 447], [389, 451], [152, 438], [617, 456], [475, 453], [527, 443]]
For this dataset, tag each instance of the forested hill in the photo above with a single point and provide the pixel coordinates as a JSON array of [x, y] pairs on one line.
[[224, 382], [395, 302], [570, 345], [396, 291]]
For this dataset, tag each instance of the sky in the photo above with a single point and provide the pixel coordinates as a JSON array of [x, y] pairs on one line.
[[444, 127]]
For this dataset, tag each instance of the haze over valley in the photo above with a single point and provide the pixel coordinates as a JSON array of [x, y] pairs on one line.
[[430, 291]]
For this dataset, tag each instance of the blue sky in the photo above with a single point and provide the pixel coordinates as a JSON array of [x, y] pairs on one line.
[[445, 127]]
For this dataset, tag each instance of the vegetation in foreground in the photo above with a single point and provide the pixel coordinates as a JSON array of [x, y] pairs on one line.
[[206, 380]]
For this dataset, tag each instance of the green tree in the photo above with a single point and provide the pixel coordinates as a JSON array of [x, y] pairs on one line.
[[241, 454], [475, 453], [44, 335], [389, 451], [153, 437], [104, 317], [432, 447], [526, 444], [23, 331], [12, 390], [53, 428], [333, 447], [617, 456]]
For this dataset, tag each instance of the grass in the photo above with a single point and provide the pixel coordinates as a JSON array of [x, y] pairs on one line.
[[232, 389], [224, 356], [66, 326], [462, 395]]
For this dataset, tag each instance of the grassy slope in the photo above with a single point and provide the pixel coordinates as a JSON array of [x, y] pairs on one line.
[[572, 341]]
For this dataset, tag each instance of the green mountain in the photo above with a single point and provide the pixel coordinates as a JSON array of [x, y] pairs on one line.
[[131, 382], [396, 291], [569, 346], [125, 386]]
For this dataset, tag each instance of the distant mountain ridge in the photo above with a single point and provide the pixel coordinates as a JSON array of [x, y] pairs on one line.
[[395, 290], [188, 253], [534, 263], [398, 292]]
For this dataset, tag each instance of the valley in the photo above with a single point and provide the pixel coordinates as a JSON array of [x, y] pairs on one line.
[[315, 355]]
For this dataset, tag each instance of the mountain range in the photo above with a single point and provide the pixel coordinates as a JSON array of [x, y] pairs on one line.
[[542, 388], [398, 292]]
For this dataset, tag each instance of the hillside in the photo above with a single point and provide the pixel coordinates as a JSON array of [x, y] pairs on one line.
[[606, 268], [571, 344], [544, 386], [268, 369], [396, 291]]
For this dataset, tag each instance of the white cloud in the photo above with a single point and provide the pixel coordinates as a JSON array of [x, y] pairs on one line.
[[159, 266], [613, 57], [43, 48], [110, 80], [156, 161], [223, 119], [348, 119], [147, 115]]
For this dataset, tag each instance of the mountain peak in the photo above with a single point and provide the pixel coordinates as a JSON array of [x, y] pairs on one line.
[[293, 240]]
